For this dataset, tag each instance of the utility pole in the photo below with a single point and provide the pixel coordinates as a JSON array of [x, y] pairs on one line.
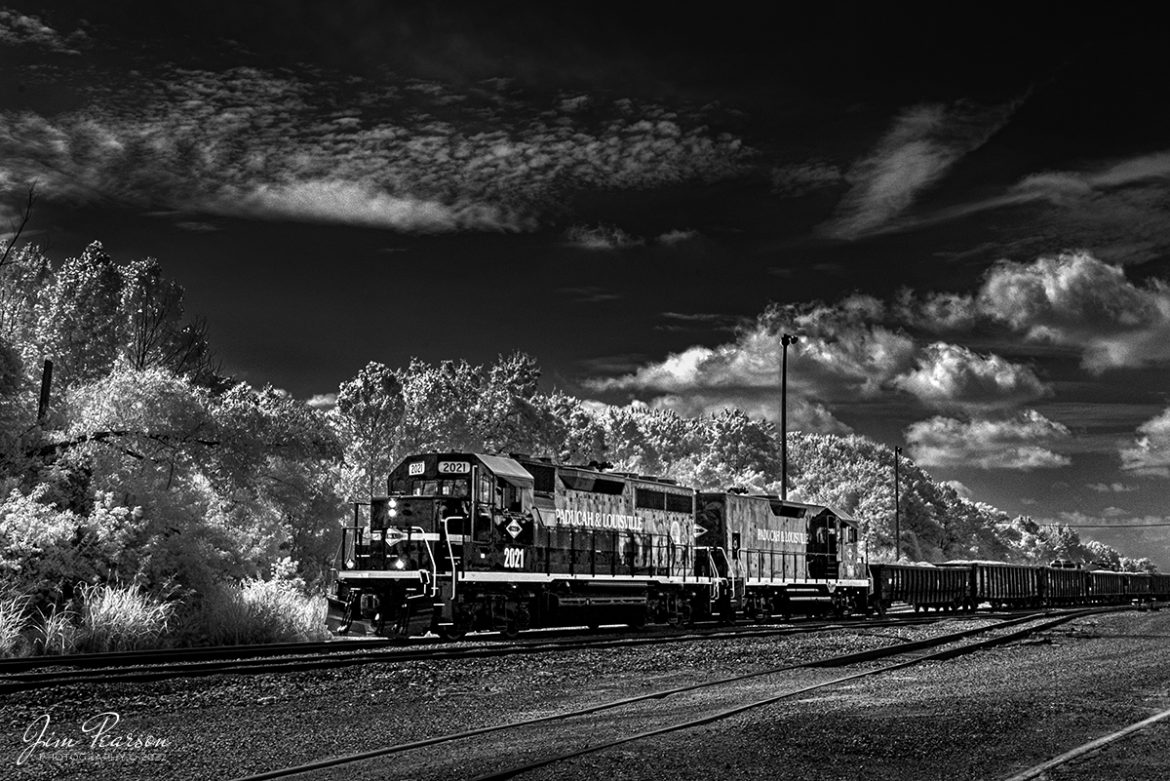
[[46, 384], [897, 509], [785, 340]]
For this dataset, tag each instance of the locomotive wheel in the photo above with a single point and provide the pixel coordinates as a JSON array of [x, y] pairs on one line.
[[680, 616], [510, 630], [638, 620], [452, 633]]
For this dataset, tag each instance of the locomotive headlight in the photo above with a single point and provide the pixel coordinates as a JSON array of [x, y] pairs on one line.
[[399, 564], [392, 512], [350, 563], [393, 503]]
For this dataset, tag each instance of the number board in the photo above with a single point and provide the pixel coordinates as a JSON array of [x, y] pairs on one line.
[[454, 468], [417, 468]]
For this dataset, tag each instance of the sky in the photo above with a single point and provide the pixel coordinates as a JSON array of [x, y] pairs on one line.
[[964, 220]]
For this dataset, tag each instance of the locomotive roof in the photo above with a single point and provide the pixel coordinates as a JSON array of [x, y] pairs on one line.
[[810, 510], [507, 468]]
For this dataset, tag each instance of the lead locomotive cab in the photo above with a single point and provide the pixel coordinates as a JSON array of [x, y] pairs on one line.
[[401, 557]]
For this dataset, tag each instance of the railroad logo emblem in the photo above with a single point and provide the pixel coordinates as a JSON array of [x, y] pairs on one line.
[[514, 528]]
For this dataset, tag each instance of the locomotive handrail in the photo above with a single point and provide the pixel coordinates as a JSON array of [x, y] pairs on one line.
[[450, 555]]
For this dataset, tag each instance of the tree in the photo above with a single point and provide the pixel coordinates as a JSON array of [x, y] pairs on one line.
[[369, 418], [92, 313]]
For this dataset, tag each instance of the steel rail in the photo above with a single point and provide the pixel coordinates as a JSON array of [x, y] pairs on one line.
[[163, 655], [502, 775], [1038, 771], [828, 662], [243, 666]]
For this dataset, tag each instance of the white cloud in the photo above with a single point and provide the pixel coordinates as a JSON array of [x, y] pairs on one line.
[[601, 238], [1019, 442], [1075, 300], [1107, 488], [677, 236], [268, 145], [960, 488], [1150, 453], [924, 142], [17, 29], [363, 204], [322, 401], [949, 375]]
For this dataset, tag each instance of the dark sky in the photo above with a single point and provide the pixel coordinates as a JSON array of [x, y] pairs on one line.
[[965, 217]]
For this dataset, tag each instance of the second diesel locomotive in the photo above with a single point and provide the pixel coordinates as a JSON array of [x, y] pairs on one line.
[[467, 541]]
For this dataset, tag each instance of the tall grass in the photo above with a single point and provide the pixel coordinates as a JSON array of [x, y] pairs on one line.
[[120, 618], [58, 632], [13, 622], [263, 611]]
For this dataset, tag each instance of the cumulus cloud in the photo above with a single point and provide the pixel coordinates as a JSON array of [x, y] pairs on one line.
[[949, 375], [401, 154], [601, 238], [847, 353], [1149, 454], [1073, 299], [924, 142], [1020, 442], [840, 354], [322, 401], [960, 488]]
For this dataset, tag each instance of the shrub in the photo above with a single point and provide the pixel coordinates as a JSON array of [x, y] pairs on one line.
[[262, 611]]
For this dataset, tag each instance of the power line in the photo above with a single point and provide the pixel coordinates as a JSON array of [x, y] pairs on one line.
[[1111, 525]]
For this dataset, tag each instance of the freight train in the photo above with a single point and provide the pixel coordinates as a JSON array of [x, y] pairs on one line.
[[472, 541]]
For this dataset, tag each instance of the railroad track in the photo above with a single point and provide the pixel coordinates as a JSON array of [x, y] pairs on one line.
[[136, 667], [1080, 752], [509, 739]]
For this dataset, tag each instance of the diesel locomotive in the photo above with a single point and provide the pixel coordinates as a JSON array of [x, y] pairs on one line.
[[471, 541]]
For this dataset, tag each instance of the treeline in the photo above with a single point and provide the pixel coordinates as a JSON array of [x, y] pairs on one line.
[[152, 469]]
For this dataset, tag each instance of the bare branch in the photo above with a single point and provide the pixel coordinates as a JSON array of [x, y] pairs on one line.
[[19, 228]]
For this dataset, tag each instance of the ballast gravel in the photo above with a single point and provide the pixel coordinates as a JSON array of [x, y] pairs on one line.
[[974, 717]]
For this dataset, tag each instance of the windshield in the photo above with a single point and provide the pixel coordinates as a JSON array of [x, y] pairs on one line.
[[420, 487]]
